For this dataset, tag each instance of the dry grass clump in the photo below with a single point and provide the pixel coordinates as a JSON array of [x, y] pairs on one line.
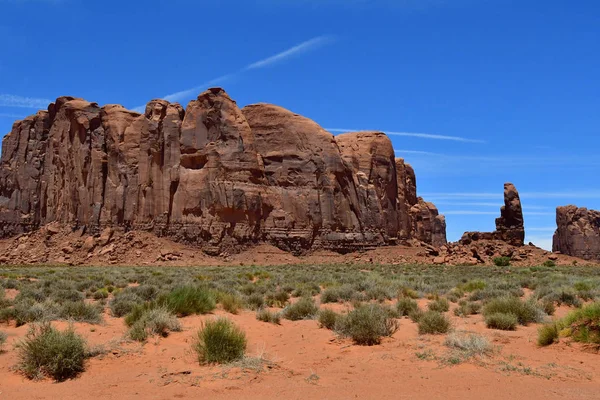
[[367, 324], [46, 351], [220, 341]]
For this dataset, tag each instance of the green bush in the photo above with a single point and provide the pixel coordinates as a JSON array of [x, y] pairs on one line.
[[502, 321], [549, 264], [433, 322], [46, 351], [501, 261], [156, 321], [525, 311], [101, 294], [80, 311], [232, 303], [3, 338], [28, 310], [265, 315], [466, 308], [337, 294], [473, 285], [123, 303], [188, 300], [583, 324], [405, 306], [328, 318], [367, 324], [277, 299], [304, 308], [255, 301], [547, 334], [415, 315], [220, 341], [439, 305]]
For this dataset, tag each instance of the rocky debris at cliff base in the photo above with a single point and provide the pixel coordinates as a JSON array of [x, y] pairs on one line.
[[578, 232], [139, 248]]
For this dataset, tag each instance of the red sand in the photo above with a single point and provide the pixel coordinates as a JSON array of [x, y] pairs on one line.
[[312, 363]]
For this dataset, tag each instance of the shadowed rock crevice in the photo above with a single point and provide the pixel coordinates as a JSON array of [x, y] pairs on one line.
[[213, 175]]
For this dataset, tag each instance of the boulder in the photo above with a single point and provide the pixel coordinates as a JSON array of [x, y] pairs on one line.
[[577, 233]]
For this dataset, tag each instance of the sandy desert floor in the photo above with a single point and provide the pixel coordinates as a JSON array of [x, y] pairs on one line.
[[299, 360]]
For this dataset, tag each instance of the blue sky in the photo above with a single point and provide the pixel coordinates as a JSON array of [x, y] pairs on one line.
[[488, 91]]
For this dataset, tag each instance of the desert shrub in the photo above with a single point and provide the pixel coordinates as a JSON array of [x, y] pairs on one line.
[[473, 285], [415, 315], [309, 289], [501, 261], [583, 324], [327, 318], [156, 321], [220, 341], [548, 307], [123, 303], [408, 292], [502, 321], [468, 344], [3, 338], [466, 308], [304, 308], [547, 334], [433, 322], [265, 315], [453, 297], [232, 303], [525, 311], [337, 294], [101, 294], [405, 306], [379, 292], [439, 305], [6, 314], [549, 264], [277, 299], [46, 351], [27, 310], [188, 300], [367, 324], [255, 301], [81, 312]]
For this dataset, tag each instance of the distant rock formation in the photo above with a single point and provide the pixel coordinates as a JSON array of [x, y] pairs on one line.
[[577, 233], [213, 175], [509, 227], [417, 218]]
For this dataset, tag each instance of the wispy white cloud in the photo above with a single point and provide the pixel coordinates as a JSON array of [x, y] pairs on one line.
[[14, 116], [399, 152], [541, 229], [477, 212], [593, 194], [304, 47], [11, 100], [413, 134], [483, 204]]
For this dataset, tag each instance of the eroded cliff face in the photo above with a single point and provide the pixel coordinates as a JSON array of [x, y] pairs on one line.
[[213, 175], [577, 233]]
